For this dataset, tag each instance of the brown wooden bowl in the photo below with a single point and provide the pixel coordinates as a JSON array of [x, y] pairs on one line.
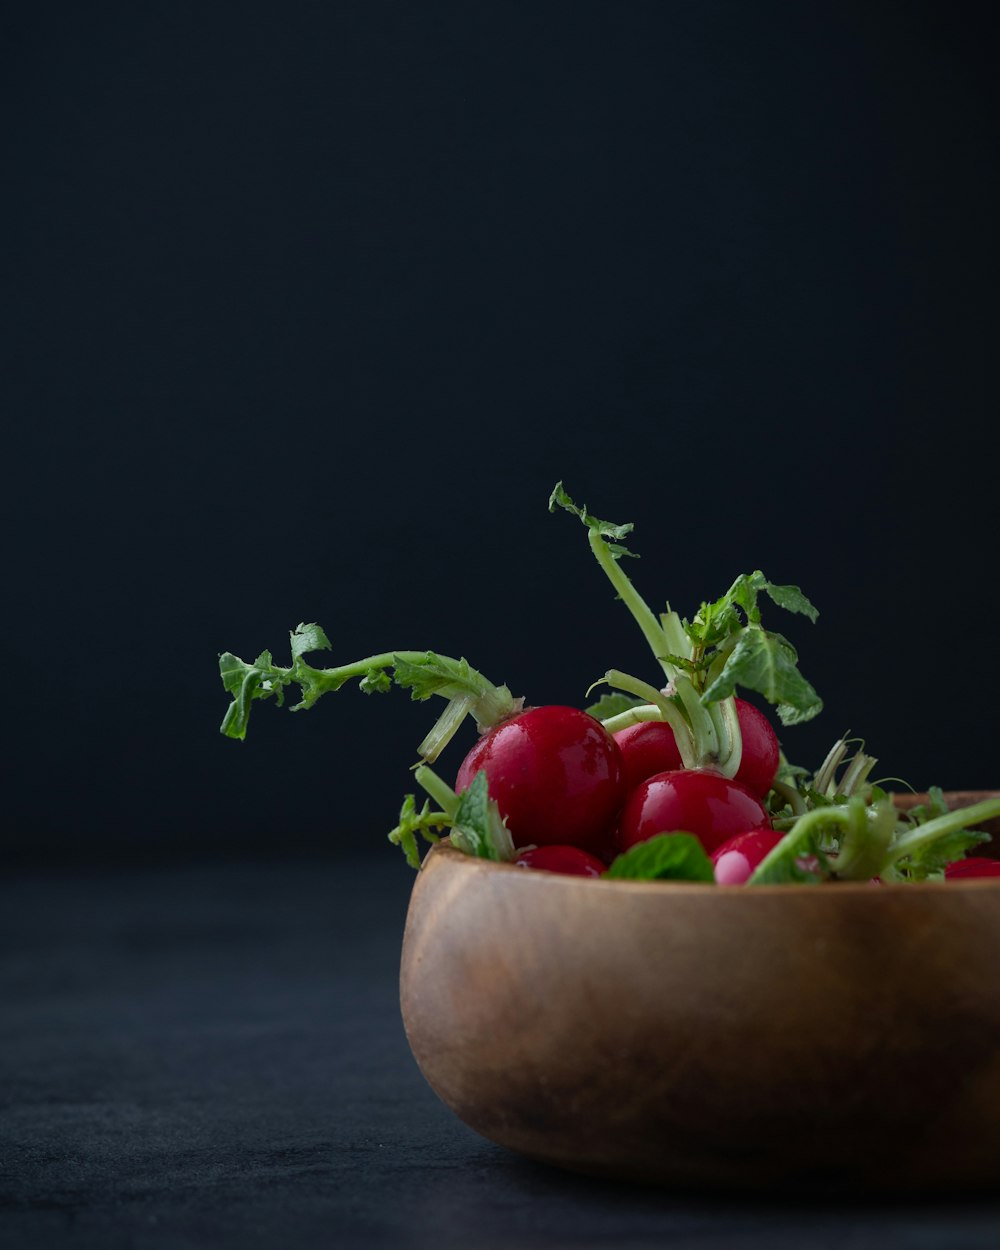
[[772, 1037]]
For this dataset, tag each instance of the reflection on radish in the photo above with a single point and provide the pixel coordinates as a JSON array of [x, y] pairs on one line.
[[555, 773], [736, 859], [712, 807]]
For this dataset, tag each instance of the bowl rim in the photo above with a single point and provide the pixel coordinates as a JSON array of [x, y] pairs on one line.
[[444, 852]]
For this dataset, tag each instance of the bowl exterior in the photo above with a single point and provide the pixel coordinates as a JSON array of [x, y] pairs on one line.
[[692, 1036]]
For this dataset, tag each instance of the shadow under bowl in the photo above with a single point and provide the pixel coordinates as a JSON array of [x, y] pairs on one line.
[[694, 1036]]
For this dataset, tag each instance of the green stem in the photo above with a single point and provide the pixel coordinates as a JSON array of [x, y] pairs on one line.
[[634, 715], [652, 629], [856, 773], [703, 730], [669, 711], [863, 848], [824, 779], [797, 839], [445, 727], [333, 678], [438, 789], [676, 639], [727, 727], [951, 822], [791, 797]]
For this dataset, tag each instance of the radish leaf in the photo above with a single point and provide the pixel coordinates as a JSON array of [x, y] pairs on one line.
[[766, 662], [479, 829], [665, 857]]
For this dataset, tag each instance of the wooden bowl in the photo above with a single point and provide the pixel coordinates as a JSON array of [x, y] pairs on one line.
[[773, 1037]]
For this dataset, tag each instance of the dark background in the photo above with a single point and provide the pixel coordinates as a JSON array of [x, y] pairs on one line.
[[306, 308], [310, 305]]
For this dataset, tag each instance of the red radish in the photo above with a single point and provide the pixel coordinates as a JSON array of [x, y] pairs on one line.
[[647, 748], [555, 773], [973, 866], [761, 751], [650, 747], [736, 859], [565, 859], [712, 807]]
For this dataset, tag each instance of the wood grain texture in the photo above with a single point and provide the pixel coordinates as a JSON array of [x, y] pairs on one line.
[[841, 1035]]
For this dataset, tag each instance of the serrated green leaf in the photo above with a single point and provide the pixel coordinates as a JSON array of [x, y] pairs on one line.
[[246, 682], [934, 807], [375, 681], [413, 822], [608, 530], [765, 663], [664, 857], [609, 705], [232, 670], [478, 828], [791, 599], [929, 863], [234, 724], [306, 638], [434, 674], [719, 620]]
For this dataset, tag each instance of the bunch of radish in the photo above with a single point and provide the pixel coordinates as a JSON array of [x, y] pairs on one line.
[[678, 780]]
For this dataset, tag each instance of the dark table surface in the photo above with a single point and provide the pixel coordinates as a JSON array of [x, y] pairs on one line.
[[212, 1055]]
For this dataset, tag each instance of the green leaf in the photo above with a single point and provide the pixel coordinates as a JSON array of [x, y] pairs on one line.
[[609, 705], [608, 530], [479, 829], [765, 663], [929, 862], [792, 600], [375, 681], [801, 855], [433, 674], [455, 680], [935, 806], [306, 638], [232, 670], [715, 622], [665, 857], [246, 682], [412, 822]]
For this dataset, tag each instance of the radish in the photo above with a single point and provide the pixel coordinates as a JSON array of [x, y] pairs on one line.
[[698, 801], [556, 775], [647, 748], [679, 762], [736, 859], [973, 866], [650, 747], [569, 860]]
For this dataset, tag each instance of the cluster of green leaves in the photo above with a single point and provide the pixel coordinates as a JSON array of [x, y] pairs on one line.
[[928, 856], [423, 673], [429, 824], [851, 839], [725, 646], [263, 679], [864, 835], [472, 818], [731, 649]]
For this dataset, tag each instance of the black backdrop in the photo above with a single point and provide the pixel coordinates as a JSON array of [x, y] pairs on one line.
[[309, 306]]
